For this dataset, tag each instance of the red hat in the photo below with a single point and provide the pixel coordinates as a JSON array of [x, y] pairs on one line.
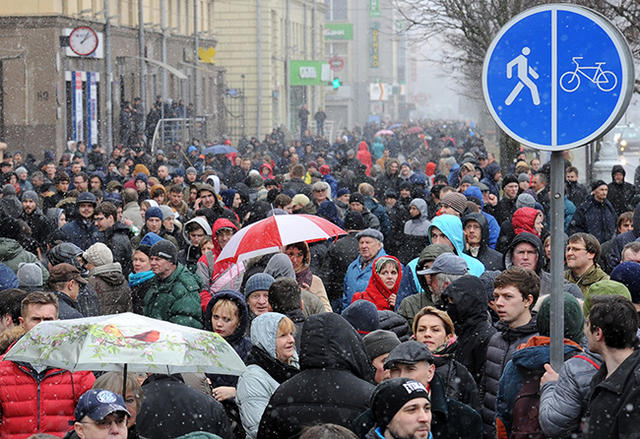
[[325, 169]]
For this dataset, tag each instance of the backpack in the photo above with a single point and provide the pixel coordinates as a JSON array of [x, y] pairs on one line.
[[526, 405]]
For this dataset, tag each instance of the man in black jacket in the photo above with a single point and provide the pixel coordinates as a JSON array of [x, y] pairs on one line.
[[620, 192], [171, 409], [116, 235], [615, 389], [467, 306], [450, 418], [476, 233], [333, 385]]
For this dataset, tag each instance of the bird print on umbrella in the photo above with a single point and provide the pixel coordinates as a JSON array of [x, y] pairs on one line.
[[147, 336]]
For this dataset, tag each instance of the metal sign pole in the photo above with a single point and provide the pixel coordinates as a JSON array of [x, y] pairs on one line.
[[557, 259]]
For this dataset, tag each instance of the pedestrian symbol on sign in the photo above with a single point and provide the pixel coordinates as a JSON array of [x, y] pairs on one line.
[[524, 70]]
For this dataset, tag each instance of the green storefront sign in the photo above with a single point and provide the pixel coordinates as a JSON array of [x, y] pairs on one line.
[[338, 31], [309, 73]]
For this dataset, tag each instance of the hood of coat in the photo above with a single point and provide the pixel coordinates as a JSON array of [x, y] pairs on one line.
[[491, 170], [243, 313], [537, 351], [220, 223], [362, 147], [280, 266], [531, 239], [475, 192], [375, 282], [329, 342], [615, 169], [469, 300], [110, 273], [523, 220], [484, 225], [421, 205], [451, 227], [264, 332], [202, 222], [9, 248]]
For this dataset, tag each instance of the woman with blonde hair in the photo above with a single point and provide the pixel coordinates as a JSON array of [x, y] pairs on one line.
[[271, 361], [435, 329]]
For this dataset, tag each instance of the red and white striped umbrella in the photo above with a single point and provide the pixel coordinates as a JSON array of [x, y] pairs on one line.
[[268, 235]]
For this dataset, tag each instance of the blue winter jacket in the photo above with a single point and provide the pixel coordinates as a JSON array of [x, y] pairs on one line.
[[451, 227]]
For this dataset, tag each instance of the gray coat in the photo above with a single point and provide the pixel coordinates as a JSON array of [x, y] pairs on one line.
[[500, 349], [255, 385], [563, 402]]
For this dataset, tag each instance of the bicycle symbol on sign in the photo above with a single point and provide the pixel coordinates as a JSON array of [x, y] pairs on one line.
[[605, 80]]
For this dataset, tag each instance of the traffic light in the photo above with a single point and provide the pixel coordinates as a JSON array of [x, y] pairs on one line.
[[336, 83]]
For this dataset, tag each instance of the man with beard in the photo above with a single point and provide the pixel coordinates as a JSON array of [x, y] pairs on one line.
[[37, 222]]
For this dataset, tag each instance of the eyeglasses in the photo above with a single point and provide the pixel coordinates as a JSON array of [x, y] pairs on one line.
[[575, 249], [103, 424]]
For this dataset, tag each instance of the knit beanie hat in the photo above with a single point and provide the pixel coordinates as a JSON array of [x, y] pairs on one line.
[[380, 342], [456, 200], [509, 178], [628, 274], [142, 176], [30, 195], [29, 275], [596, 184], [353, 221], [603, 288], [391, 395], [524, 177], [573, 318], [258, 282], [21, 170], [98, 254], [8, 278], [300, 200], [525, 200], [363, 316], [343, 191], [166, 250], [356, 197], [166, 211], [153, 212]]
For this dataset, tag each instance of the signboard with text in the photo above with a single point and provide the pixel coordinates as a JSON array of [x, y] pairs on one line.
[[309, 72], [338, 31]]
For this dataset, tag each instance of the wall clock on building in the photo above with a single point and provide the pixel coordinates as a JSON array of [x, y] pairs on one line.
[[83, 40]]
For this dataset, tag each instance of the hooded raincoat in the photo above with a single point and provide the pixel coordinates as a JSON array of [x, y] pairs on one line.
[[451, 227], [264, 372]]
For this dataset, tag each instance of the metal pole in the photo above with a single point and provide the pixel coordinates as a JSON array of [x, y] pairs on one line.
[[108, 68], [259, 69], [287, 60], [557, 259], [163, 54], [244, 106], [314, 90], [143, 66], [196, 43]]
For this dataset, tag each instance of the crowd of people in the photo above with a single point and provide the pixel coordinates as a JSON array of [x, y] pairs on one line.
[[428, 317]]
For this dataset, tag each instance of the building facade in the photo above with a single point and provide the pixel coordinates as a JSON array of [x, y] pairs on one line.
[[264, 45], [52, 92]]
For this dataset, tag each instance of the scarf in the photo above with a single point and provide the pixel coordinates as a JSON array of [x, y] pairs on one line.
[[304, 277], [140, 278], [276, 369]]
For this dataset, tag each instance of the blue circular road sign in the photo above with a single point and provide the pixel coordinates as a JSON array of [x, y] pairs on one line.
[[557, 76]]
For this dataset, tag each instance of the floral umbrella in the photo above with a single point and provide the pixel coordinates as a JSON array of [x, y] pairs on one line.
[[127, 341]]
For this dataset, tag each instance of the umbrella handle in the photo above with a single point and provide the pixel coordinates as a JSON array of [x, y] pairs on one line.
[[124, 383]]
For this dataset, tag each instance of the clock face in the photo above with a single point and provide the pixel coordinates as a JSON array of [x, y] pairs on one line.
[[83, 40]]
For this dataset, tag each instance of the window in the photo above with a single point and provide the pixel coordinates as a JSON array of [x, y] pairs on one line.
[[337, 10]]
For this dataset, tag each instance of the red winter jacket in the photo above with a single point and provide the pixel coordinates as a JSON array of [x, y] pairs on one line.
[[377, 292], [38, 403], [218, 267]]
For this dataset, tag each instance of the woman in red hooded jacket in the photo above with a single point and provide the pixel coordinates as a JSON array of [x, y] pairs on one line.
[[527, 219], [364, 156], [384, 283]]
